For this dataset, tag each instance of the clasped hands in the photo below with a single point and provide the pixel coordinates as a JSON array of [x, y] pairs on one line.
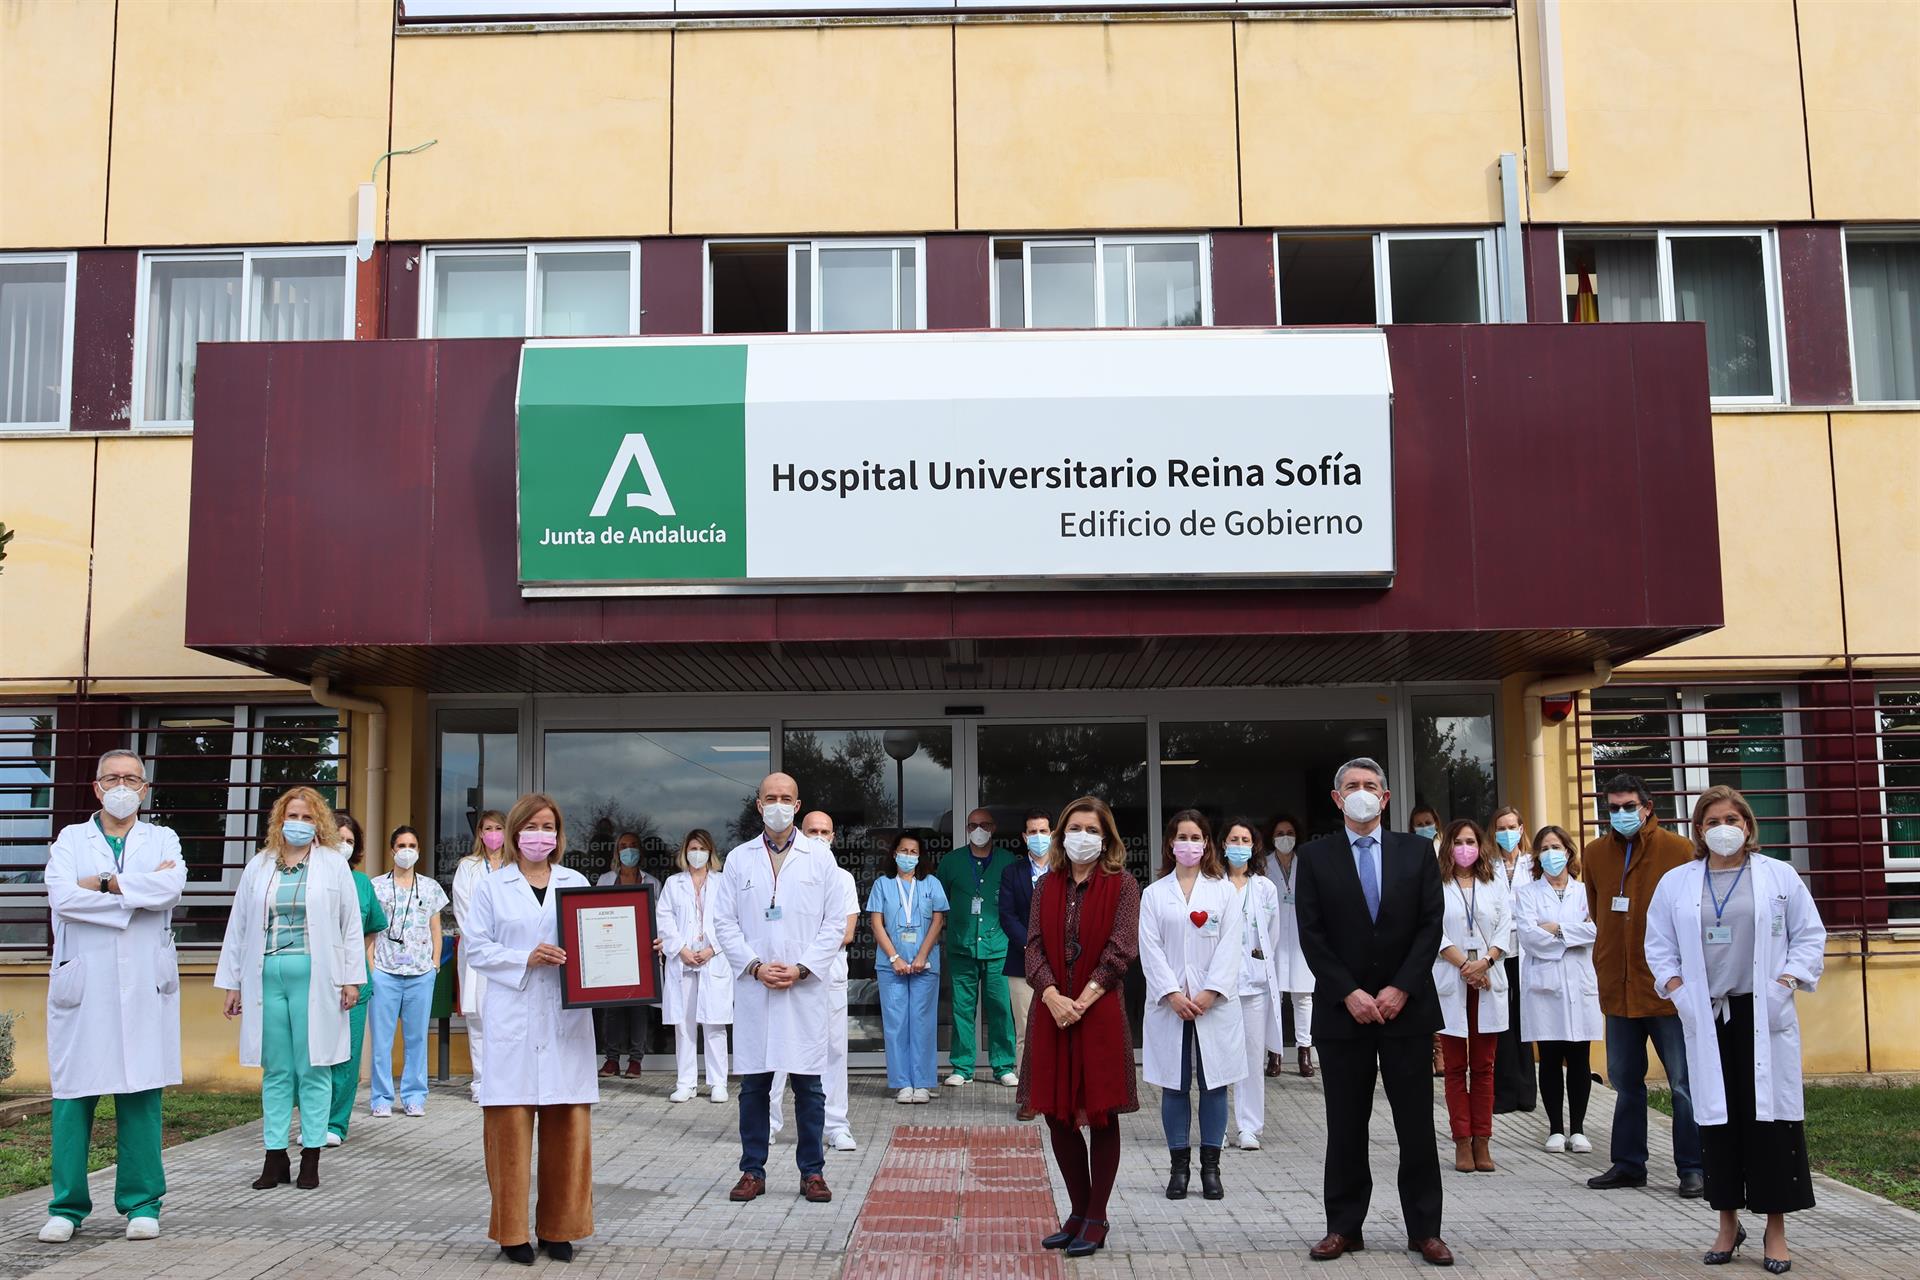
[[1067, 1012], [1190, 1007], [1381, 1008]]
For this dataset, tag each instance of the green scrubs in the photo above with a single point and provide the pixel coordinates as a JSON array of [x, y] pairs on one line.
[[288, 1076], [346, 1076], [138, 1182], [976, 951]]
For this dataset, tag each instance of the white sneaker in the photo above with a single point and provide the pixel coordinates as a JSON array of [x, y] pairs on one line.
[[143, 1228], [381, 1111], [719, 1093], [334, 1139], [843, 1141], [922, 1095], [1010, 1079], [1578, 1143], [414, 1109], [1248, 1141], [955, 1080], [473, 1094], [682, 1094], [57, 1231], [1555, 1142], [905, 1096]]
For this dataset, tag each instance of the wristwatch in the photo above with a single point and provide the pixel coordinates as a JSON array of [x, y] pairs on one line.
[[1793, 983], [803, 971], [106, 882]]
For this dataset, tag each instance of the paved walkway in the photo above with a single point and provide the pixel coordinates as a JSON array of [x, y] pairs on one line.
[[408, 1198]]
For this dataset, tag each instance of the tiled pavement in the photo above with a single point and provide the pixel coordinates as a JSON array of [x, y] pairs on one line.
[[408, 1198]]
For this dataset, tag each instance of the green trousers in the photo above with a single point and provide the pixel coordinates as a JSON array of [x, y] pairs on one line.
[[968, 975], [346, 1076], [138, 1181], [288, 1076]]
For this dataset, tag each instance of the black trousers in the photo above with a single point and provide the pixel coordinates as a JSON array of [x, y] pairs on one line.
[[1751, 1164], [1571, 1060], [1349, 1068], [1513, 1082]]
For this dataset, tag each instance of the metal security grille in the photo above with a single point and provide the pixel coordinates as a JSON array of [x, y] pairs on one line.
[[215, 769]]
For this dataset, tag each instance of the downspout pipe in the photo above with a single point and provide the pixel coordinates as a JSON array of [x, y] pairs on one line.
[[374, 816], [1536, 727]]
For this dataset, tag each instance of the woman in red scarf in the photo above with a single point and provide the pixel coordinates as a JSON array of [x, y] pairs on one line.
[[1083, 936]]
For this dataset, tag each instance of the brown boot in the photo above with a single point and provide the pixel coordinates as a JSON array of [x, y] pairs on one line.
[[1463, 1155], [277, 1172], [1482, 1156], [1439, 1060], [1273, 1063], [309, 1168], [1306, 1061]]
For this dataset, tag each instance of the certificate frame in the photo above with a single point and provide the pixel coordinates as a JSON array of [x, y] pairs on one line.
[[569, 903]]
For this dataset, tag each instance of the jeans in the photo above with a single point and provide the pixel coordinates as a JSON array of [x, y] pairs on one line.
[[407, 1001], [809, 1111], [1627, 1073], [1175, 1117]]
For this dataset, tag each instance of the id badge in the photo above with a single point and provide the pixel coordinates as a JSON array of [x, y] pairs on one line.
[[1621, 904], [1287, 897], [1719, 934], [1779, 926], [1211, 929], [977, 904], [1472, 956], [772, 913], [909, 935]]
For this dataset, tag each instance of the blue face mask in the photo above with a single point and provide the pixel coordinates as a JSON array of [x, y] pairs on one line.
[[906, 861], [630, 857], [1426, 831], [1553, 861], [1039, 845], [1239, 854], [297, 832], [1626, 822], [1508, 840]]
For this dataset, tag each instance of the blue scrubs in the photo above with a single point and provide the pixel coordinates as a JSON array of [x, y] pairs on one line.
[[909, 1006]]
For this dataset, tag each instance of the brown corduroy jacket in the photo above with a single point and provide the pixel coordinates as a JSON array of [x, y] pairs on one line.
[[1620, 950]]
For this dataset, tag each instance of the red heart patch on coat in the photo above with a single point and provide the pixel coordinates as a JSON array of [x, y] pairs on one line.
[[1199, 918]]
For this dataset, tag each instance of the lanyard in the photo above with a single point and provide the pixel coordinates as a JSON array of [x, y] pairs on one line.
[[699, 909], [1624, 868], [1471, 903], [116, 845], [402, 909], [907, 891], [774, 866], [1286, 874], [1720, 903], [273, 893]]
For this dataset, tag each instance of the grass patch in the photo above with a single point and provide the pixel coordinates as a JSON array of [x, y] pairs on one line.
[[1864, 1136], [26, 1149]]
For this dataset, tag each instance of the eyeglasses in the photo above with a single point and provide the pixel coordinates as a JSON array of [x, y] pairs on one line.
[[112, 780], [1631, 806]]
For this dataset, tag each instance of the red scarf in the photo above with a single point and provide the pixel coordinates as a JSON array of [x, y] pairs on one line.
[[1075, 1072]]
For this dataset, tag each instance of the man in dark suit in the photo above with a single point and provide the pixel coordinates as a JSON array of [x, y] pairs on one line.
[[1370, 919], [1017, 884]]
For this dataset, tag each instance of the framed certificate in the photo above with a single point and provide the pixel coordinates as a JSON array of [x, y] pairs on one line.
[[607, 932]]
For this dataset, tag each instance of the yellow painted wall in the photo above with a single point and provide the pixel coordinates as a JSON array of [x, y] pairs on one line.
[[1081, 125], [1861, 62], [1677, 111], [56, 78], [845, 129], [1876, 459], [45, 497], [1367, 124], [246, 123], [540, 136]]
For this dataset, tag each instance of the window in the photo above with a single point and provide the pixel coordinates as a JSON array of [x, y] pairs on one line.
[[538, 291], [1146, 282], [478, 769], [1899, 735], [26, 825], [251, 295], [814, 286], [1883, 296], [1724, 279], [36, 338], [1454, 769], [1394, 277]]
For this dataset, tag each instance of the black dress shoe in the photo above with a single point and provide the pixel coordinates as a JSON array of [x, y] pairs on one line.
[[1721, 1257], [558, 1250], [1692, 1186], [1069, 1232], [1092, 1239], [1616, 1177], [1777, 1266], [520, 1253]]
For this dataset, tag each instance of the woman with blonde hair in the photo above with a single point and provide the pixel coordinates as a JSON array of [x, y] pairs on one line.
[[292, 966], [485, 858], [542, 1061], [697, 994], [1512, 860]]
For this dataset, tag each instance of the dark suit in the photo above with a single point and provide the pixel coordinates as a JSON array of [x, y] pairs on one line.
[[1016, 906], [1348, 950]]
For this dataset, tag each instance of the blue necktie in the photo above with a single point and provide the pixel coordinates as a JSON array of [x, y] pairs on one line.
[[1369, 879]]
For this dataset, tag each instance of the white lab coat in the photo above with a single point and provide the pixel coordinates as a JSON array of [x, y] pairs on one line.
[[334, 943], [467, 878], [780, 1030], [1788, 939], [849, 906], [113, 998], [1559, 992], [682, 919], [1492, 915], [1260, 931], [1289, 959], [1522, 876], [538, 1053], [1178, 955]]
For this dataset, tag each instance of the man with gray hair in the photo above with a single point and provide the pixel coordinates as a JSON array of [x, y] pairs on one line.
[[113, 999]]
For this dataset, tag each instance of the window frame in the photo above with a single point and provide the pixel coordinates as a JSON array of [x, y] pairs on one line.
[[1490, 295], [530, 252], [71, 261], [812, 245], [1902, 871], [1847, 236], [1201, 240], [142, 318]]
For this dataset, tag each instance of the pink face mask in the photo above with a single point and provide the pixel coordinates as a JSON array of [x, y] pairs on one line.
[[493, 840], [1466, 855], [536, 846], [1189, 852]]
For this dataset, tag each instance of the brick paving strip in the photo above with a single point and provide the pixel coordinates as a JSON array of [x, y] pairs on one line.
[[950, 1203]]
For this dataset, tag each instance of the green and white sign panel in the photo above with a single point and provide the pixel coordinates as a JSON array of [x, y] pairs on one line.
[[912, 461]]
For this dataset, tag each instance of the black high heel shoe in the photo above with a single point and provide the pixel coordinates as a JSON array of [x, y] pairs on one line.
[[521, 1253], [1776, 1266], [1092, 1238], [1069, 1232], [1721, 1257]]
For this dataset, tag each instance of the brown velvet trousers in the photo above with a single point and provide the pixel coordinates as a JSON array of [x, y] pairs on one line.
[[565, 1174]]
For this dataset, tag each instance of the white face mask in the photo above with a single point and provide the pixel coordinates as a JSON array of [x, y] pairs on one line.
[[1083, 846], [121, 803], [405, 858], [777, 816], [979, 837], [1361, 806], [1283, 844], [697, 858], [1726, 840]]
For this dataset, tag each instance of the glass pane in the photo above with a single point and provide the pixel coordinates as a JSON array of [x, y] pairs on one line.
[[1453, 762], [1883, 277], [33, 339], [1009, 284], [1721, 280], [26, 814], [1062, 286], [187, 303], [873, 782], [1258, 769], [748, 288], [1634, 733], [1611, 278], [907, 265], [1113, 266], [802, 321], [585, 294], [479, 295], [196, 780], [298, 749], [299, 298], [1900, 754], [1436, 281], [479, 769], [1166, 285], [1325, 279], [1746, 752], [856, 289]]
